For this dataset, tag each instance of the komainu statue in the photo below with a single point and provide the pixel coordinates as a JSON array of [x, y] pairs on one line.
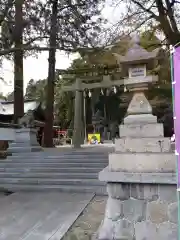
[[27, 121]]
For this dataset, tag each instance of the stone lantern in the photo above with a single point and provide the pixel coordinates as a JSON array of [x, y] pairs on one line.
[[137, 64], [141, 178]]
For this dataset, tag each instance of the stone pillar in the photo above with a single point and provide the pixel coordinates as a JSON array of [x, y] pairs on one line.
[[84, 118], [25, 141], [141, 180], [78, 116]]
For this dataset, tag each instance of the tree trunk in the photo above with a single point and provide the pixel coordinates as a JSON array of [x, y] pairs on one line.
[[167, 21], [48, 131], [18, 62]]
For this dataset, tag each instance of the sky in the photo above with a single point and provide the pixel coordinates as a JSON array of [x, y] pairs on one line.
[[37, 68], [34, 68]]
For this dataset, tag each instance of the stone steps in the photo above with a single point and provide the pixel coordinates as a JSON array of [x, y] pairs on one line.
[[100, 190], [48, 181], [61, 154], [51, 165], [73, 171], [54, 160], [50, 170], [39, 175], [45, 156]]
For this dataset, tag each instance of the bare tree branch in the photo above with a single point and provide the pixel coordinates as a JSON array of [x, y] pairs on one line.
[[148, 10], [171, 14], [161, 13]]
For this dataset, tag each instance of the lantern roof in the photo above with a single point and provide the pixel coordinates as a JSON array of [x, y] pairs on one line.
[[136, 53]]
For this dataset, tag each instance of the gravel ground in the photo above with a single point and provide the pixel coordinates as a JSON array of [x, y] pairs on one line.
[[89, 221]]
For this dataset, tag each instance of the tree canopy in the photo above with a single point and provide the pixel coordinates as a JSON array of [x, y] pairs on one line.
[[162, 16], [77, 24]]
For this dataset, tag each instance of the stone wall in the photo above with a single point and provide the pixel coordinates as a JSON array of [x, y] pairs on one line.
[[140, 212]]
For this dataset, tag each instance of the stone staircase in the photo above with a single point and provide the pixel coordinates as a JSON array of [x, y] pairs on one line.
[[70, 171]]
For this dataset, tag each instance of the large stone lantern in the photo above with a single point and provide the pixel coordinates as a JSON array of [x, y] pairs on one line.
[[141, 179]]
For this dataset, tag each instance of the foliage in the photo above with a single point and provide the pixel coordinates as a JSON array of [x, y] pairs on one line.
[[149, 40], [2, 97], [105, 56], [32, 15], [36, 90], [78, 24], [63, 104], [162, 16]]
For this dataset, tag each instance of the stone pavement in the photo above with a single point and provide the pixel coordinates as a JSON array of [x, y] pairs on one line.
[[39, 216]]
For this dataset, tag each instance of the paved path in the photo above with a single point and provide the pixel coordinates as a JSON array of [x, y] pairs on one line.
[[39, 216]]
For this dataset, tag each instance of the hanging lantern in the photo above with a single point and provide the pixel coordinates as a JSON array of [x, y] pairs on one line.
[[114, 89], [125, 89], [89, 94]]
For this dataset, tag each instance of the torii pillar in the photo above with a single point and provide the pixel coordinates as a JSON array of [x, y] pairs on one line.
[[78, 131]]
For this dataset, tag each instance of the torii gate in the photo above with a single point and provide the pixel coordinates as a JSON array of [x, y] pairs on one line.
[[79, 87]]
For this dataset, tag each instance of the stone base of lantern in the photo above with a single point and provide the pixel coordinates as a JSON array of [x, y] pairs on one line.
[[140, 206], [141, 181]]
